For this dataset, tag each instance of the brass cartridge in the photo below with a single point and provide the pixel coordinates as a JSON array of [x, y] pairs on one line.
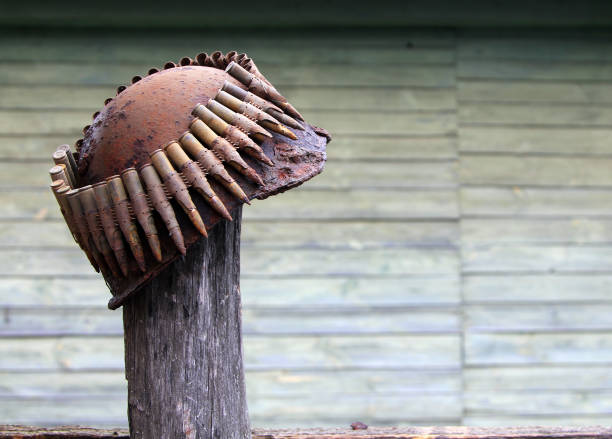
[[231, 133], [86, 196], [161, 204], [140, 206], [59, 189], [72, 166], [128, 227], [262, 104], [111, 229], [211, 165], [195, 176], [176, 187], [58, 172], [224, 150], [242, 122], [254, 113], [261, 88], [81, 222]]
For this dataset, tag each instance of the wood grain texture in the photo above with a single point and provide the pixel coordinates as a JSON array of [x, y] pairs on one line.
[[9, 431], [183, 345]]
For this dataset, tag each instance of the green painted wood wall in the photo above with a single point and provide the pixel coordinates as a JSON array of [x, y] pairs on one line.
[[239, 14], [452, 265]]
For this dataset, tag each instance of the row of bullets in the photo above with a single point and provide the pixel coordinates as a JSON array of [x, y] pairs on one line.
[[101, 216]]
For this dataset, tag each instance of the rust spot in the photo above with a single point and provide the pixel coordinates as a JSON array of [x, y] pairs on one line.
[[359, 426]]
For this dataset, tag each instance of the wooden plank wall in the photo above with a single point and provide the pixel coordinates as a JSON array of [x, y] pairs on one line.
[[535, 147], [451, 265]]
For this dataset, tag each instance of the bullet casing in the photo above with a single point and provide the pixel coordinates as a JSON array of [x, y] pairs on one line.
[[161, 204], [211, 165], [232, 134], [81, 222], [242, 122], [90, 209], [111, 230], [59, 189], [224, 150], [127, 225], [177, 188], [60, 157], [196, 177], [140, 206]]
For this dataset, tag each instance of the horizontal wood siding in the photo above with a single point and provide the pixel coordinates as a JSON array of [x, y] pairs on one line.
[[535, 145], [451, 265]]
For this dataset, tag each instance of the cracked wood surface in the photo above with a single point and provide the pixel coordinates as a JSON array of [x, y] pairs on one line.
[[20, 432]]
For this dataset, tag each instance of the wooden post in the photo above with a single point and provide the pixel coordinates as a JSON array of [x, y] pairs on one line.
[[183, 345]]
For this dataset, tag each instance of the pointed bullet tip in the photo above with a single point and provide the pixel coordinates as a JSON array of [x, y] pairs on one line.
[[197, 222], [155, 247], [177, 238], [202, 231]]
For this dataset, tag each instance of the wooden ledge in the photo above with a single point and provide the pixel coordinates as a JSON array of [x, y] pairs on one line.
[[22, 432]]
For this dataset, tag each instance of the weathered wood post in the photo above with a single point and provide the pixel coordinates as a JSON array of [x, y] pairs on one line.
[[183, 345], [171, 257]]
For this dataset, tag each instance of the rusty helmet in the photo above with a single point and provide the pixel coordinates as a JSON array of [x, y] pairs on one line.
[[171, 155]]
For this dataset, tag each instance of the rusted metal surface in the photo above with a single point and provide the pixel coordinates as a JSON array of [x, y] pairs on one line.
[[145, 164], [143, 118]]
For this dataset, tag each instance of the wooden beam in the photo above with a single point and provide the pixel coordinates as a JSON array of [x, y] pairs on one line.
[[23, 432]]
